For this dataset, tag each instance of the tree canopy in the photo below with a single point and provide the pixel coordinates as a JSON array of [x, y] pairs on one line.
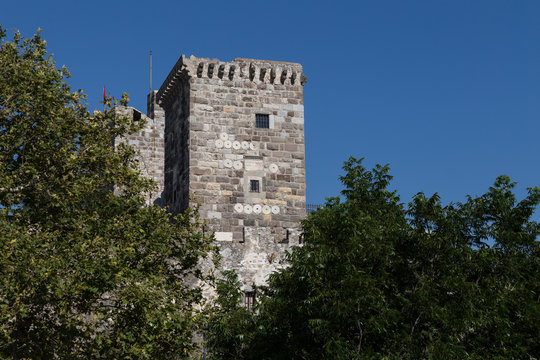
[[86, 269], [376, 278]]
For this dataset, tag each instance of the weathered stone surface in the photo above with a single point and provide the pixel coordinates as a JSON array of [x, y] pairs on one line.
[[150, 145], [211, 153]]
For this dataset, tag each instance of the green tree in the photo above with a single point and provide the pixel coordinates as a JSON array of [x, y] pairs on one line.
[[231, 327], [86, 269], [378, 279]]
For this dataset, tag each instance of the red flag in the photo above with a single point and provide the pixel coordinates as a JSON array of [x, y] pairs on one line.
[[104, 96]]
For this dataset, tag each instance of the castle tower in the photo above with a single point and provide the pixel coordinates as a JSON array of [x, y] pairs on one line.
[[234, 145]]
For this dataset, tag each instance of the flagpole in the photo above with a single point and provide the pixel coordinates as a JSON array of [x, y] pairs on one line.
[[150, 71]]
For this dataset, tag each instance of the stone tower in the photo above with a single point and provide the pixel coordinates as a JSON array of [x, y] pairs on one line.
[[234, 145]]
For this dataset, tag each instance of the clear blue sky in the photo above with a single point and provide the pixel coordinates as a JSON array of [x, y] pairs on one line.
[[446, 92]]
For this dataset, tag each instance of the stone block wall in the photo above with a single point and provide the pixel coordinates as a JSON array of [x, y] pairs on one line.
[[150, 144], [214, 151]]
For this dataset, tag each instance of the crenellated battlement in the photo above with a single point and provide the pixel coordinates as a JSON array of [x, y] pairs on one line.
[[240, 69]]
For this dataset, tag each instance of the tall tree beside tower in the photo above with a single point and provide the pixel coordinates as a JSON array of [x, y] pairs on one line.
[[86, 270]]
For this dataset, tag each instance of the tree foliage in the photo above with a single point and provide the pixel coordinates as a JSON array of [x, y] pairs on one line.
[[230, 327], [86, 269], [379, 279]]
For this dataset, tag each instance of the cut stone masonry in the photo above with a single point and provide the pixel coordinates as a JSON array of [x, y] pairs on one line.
[[248, 182], [150, 144]]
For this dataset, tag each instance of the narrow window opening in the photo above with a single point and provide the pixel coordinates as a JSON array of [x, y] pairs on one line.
[[211, 70], [262, 74], [249, 299], [262, 121], [200, 69], [231, 72], [221, 70], [286, 239], [254, 186]]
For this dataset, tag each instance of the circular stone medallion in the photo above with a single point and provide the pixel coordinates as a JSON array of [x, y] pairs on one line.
[[257, 209], [266, 209], [248, 209], [227, 144], [238, 208], [237, 165], [273, 168], [219, 143], [224, 136], [245, 145], [236, 145], [227, 163], [275, 209]]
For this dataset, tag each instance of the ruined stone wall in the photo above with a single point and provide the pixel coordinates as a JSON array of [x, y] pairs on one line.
[[149, 143], [214, 150]]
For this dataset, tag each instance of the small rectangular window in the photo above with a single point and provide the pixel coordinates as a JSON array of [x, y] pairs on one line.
[[249, 299], [262, 121], [254, 186]]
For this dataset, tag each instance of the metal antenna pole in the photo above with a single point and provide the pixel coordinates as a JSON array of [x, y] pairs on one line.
[[150, 71]]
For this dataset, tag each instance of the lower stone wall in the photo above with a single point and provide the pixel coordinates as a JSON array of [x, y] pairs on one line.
[[261, 252]]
